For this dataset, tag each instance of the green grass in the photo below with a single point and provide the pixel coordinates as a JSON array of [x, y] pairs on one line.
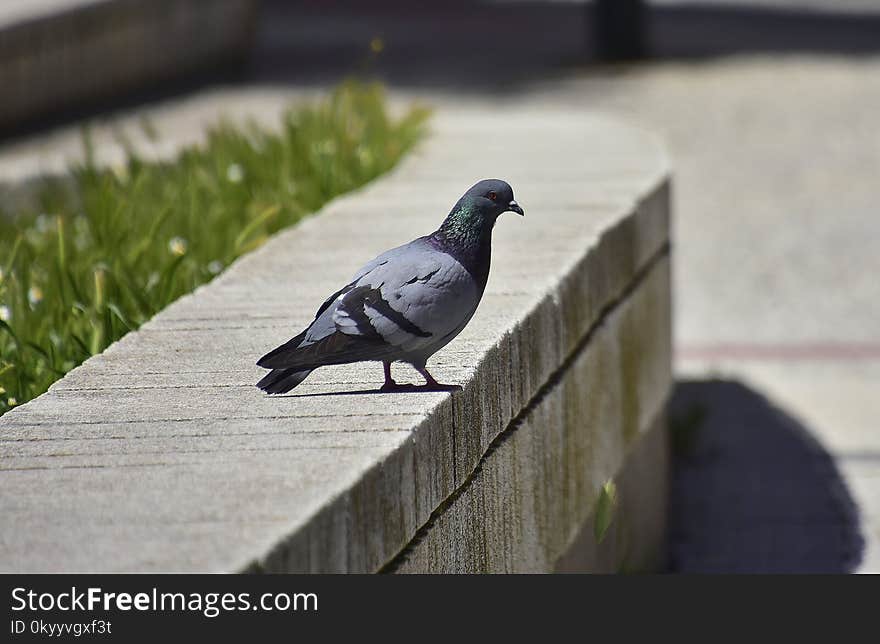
[[108, 248]]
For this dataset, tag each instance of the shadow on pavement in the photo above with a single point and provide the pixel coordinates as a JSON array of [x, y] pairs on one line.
[[752, 490]]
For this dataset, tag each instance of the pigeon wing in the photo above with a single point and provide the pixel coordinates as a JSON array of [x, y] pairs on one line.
[[303, 348], [408, 300], [412, 302]]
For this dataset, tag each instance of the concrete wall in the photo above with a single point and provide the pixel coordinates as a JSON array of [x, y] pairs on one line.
[[160, 454], [59, 54], [529, 504]]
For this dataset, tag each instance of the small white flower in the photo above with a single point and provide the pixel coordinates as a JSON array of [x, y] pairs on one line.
[[5, 313], [35, 295], [215, 267], [43, 223], [11, 401], [234, 173], [2, 390], [177, 246]]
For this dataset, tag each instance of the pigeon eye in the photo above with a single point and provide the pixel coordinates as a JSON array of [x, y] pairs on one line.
[[493, 196]]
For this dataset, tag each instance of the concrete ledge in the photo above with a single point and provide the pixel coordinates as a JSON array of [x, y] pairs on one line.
[[56, 54], [161, 455]]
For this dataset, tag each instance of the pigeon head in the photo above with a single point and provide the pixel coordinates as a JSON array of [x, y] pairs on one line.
[[471, 219], [487, 199]]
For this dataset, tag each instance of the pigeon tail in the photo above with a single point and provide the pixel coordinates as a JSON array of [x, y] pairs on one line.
[[280, 381], [285, 349], [337, 348]]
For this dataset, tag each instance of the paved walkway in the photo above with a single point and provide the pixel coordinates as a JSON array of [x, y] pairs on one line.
[[776, 235]]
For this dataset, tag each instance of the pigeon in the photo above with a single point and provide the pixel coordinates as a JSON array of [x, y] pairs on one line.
[[404, 305]]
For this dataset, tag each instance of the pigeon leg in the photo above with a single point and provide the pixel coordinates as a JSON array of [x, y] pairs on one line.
[[433, 385], [390, 385]]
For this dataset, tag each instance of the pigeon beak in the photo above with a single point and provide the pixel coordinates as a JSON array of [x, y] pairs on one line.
[[515, 207]]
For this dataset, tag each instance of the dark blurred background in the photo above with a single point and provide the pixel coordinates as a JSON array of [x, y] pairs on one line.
[[62, 68]]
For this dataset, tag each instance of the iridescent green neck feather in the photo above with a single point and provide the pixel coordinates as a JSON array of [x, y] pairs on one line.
[[466, 234], [464, 226]]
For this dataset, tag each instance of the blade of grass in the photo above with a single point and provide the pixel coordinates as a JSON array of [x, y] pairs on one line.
[[263, 218]]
